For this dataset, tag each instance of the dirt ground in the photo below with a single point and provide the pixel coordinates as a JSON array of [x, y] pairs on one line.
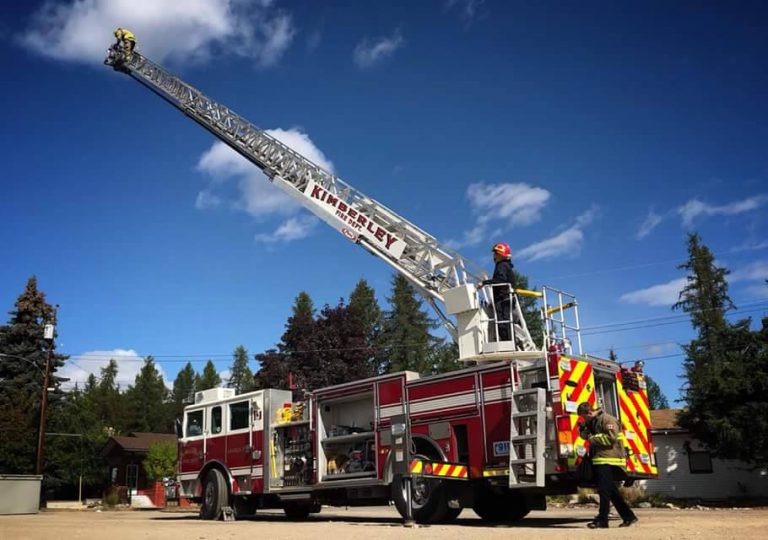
[[379, 523]]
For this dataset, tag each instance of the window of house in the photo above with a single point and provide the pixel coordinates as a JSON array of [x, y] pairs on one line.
[[194, 424], [216, 420], [238, 415], [700, 462]]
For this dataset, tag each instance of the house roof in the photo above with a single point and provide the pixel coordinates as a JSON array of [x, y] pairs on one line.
[[136, 442], [665, 420]]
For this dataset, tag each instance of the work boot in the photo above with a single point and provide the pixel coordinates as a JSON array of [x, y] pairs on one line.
[[598, 524], [629, 522]]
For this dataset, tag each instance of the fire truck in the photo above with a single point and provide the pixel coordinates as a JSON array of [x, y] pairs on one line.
[[496, 436]]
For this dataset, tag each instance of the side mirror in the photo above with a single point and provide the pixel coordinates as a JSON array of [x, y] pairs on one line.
[[177, 424]]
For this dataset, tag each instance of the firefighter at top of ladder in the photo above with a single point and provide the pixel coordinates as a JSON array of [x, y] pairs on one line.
[[126, 41], [503, 273]]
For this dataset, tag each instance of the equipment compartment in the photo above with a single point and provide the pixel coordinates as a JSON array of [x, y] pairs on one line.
[[346, 437]]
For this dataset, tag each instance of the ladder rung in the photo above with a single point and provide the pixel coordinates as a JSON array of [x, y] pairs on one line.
[[524, 437], [522, 461], [524, 414]]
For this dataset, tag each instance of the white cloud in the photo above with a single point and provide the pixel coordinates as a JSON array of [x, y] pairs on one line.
[[129, 363], [565, 243], [664, 294], [294, 228], [651, 222], [256, 194], [371, 51], [695, 208], [758, 291], [750, 246], [206, 199], [467, 8], [504, 204], [757, 270], [188, 31]]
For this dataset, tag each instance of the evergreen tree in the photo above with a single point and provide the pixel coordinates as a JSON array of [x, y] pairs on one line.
[[209, 379], [364, 307], [530, 307], [23, 354], [242, 377], [183, 389], [405, 334], [69, 456], [444, 357], [726, 366], [146, 401], [106, 398], [294, 348], [705, 297], [656, 398]]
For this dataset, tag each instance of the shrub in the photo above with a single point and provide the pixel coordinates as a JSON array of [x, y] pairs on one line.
[[111, 498]]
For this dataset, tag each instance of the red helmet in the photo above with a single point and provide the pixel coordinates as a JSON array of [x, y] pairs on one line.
[[502, 249]]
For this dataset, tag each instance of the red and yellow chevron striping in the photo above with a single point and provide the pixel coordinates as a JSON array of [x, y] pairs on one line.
[[577, 384], [440, 469], [636, 424]]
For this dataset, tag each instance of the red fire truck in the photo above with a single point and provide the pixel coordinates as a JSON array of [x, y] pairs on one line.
[[497, 436]]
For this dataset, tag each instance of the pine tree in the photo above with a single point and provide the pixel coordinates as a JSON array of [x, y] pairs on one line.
[[656, 398], [530, 307], [444, 357], [23, 354], [726, 366], [209, 379], [107, 400], [705, 296], [146, 401], [405, 334], [183, 389], [364, 307], [242, 377]]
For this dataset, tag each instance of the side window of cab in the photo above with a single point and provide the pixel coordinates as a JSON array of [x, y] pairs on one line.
[[194, 424]]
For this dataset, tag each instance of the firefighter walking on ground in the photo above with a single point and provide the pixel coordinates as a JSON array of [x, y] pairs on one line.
[[502, 273], [608, 458]]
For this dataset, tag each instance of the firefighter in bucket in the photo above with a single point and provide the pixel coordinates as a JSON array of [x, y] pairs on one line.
[[503, 273]]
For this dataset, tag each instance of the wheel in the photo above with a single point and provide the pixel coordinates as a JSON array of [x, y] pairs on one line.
[[428, 501], [297, 512], [451, 514], [505, 507], [215, 495]]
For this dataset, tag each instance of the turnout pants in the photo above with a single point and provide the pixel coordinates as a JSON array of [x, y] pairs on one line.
[[503, 318], [609, 493]]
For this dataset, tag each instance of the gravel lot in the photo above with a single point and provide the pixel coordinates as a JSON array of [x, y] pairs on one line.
[[379, 523]]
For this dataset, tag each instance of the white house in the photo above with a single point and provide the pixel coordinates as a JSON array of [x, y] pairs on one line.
[[688, 471]]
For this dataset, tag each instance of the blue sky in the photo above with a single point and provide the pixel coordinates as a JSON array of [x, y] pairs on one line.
[[591, 136]]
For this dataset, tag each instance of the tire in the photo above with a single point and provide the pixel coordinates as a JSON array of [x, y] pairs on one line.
[[506, 507], [451, 514], [428, 501], [297, 512], [215, 495]]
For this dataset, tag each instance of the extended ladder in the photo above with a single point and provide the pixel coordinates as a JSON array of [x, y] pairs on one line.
[[527, 437]]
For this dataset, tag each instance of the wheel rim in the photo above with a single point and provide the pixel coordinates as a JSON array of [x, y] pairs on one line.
[[209, 495]]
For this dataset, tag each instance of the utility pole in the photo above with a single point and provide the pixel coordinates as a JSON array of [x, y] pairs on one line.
[[48, 335]]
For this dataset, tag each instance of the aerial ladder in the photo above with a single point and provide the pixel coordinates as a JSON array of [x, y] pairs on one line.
[[445, 278]]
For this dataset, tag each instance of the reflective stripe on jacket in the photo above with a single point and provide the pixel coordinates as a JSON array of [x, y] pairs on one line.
[[605, 442]]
